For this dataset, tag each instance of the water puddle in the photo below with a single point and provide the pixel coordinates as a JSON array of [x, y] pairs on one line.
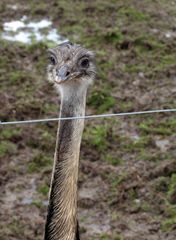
[[29, 32], [170, 34]]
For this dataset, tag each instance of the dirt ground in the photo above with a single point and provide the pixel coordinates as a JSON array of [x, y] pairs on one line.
[[127, 178]]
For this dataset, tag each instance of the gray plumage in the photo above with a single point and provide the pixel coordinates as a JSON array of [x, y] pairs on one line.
[[71, 70]]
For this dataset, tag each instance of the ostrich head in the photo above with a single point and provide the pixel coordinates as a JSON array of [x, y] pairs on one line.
[[70, 65]]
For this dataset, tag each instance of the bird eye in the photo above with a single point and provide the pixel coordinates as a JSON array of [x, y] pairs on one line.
[[52, 60], [85, 63]]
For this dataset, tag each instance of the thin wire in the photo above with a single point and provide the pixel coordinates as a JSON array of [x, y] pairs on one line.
[[88, 116]]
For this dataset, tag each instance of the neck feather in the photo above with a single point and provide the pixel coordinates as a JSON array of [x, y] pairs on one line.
[[62, 211]]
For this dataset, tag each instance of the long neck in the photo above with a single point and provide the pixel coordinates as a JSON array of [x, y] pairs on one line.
[[62, 211]]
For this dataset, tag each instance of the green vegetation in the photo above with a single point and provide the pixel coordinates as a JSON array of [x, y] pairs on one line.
[[101, 100], [15, 227], [114, 36], [144, 44], [126, 106], [165, 62], [114, 180], [39, 163], [170, 221], [43, 189], [114, 160], [3, 61], [169, 224], [135, 145], [145, 207], [97, 137], [162, 184], [172, 189], [138, 205], [106, 236], [133, 14], [170, 204], [157, 156], [7, 148], [16, 77], [9, 133], [37, 203], [149, 127], [131, 68]]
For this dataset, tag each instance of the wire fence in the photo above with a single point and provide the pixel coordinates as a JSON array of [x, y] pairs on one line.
[[32, 121]]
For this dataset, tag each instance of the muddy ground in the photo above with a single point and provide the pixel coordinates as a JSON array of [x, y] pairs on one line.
[[127, 179]]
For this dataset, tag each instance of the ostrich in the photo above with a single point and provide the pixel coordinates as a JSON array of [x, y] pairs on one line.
[[72, 70]]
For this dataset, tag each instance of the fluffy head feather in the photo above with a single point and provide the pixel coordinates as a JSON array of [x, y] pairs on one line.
[[70, 64]]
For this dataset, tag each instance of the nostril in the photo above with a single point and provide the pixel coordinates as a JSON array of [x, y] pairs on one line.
[[67, 74], [63, 72]]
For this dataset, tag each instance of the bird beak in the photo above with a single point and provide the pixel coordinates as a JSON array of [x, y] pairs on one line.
[[62, 74]]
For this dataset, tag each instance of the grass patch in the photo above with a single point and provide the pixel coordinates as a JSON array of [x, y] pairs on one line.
[[168, 186], [165, 62], [114, 181], [162, 184], [39, 163], [142, 142], [113, 160], [97, 137], [43, 189], [146, 207], [150, 127], [145, 155], [18, 76], [133, 14], [106, 236], [37, 203], [132, 145], [3, 61], [147, 43], [126, 106], [44, 142], [101, 100], [169, 223], [7, 147], [172, 189], [8, 133], [15, 227], [133, 68], [114, 36], [141, 206]]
